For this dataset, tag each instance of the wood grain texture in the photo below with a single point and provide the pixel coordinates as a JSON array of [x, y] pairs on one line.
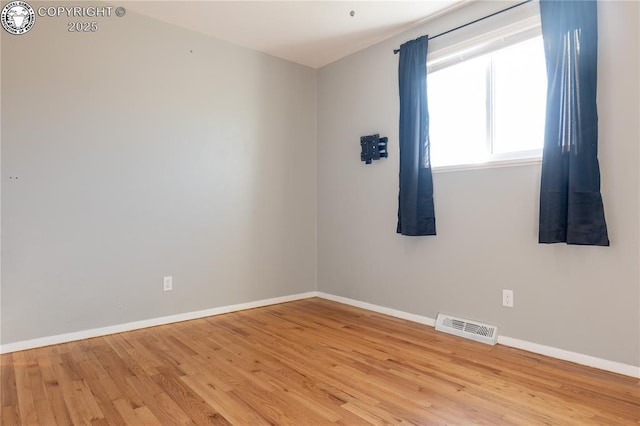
[[308, 362]]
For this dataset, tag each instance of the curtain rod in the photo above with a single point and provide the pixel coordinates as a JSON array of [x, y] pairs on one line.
[[473, 22]]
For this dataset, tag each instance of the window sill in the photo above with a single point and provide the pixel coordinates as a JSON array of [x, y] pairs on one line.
[[488, 165]]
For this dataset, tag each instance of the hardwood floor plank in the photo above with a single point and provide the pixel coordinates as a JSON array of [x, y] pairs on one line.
[[8, 390], [10, 416], [46, 358], [185, 397], [146, 417], [316, 396], [44, 410], [26, 405], [309, 362], [126, 411], [167, 412], [233, 409], [104, 400]]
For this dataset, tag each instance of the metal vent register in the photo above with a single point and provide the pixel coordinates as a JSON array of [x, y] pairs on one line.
[[473, 330]]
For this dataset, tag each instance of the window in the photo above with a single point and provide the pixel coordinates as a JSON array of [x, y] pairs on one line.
[[487, 103]]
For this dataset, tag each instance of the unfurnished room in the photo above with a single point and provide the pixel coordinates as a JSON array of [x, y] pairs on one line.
[[320, 212]]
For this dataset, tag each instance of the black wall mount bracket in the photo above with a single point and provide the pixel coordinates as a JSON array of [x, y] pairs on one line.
[[373, 148]]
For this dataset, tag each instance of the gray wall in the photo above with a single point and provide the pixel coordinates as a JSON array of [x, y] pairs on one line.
[[145, 150], [582, 299]]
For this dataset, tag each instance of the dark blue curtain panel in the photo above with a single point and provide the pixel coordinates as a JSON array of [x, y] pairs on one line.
[[415, 199], [571, 207]]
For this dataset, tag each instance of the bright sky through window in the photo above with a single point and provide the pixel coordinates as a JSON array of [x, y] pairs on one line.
[[489, 108]]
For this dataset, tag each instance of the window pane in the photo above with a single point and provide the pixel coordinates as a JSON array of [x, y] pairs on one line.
[[520, 87], [457, 113]]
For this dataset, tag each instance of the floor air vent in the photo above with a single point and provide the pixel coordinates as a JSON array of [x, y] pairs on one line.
[[474, 330]]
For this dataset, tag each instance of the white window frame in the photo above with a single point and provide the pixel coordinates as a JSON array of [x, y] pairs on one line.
[[481, 45]]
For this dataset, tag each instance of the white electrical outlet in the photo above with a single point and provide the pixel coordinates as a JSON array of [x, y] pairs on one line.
[[167, 283], [507, 298]]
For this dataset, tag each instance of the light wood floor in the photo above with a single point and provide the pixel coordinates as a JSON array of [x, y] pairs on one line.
[[304, 363]]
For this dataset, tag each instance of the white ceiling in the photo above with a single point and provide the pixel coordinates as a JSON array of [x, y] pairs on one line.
[[312, 33]]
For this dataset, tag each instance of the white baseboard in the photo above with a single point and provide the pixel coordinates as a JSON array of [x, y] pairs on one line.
[[380, 309], [602, 364], [578, 358], [136, 325]]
